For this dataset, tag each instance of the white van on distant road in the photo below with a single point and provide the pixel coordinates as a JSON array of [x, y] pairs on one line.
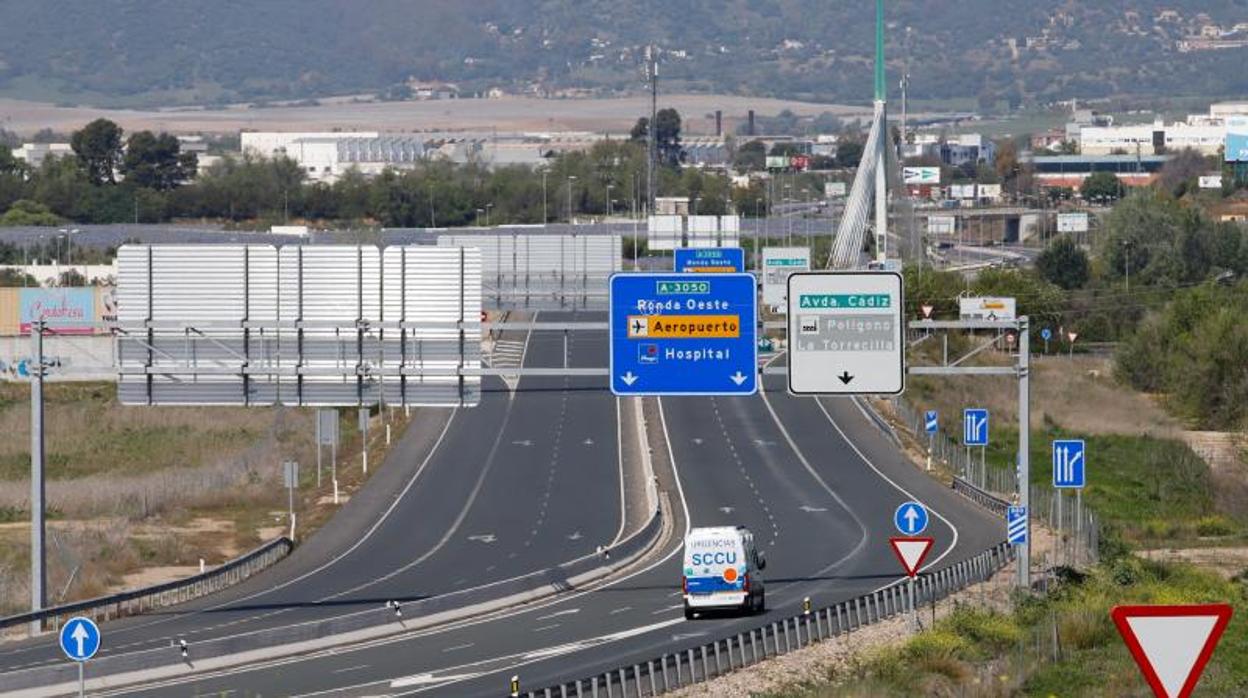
[[723, 570]]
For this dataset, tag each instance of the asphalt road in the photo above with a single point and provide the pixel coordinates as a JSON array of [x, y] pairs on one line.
[[817, 481], [469, 496]]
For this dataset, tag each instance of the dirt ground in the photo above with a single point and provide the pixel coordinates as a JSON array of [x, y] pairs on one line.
[[614, 115]]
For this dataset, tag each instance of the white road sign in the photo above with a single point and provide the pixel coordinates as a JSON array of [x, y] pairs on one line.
[[1072, 222], [845, 333], [988, 308], [778, 263], [1211, 181], [941, 225]]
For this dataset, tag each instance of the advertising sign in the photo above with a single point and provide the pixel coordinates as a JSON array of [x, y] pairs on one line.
[[941, 225], [962, 191], [1237, 139], [921, 175], [1211, 181], [990, 191], [777, 162], [833, 189], [1072, 222], [778, 263], [799, 162], [988, 308], [64, 310]]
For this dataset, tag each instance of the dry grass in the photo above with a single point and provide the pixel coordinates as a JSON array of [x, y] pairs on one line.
[[135, 492]]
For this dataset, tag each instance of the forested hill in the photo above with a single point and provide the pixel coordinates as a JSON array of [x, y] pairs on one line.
[[192, 51]]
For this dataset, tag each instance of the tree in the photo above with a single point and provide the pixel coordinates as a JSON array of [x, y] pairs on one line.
[[640, 131], [156, 162], [98, 147], [26, 212], [667, 137], [1101, 186], [849, 153], [1180, 173], [751, 156], [1064, 263]]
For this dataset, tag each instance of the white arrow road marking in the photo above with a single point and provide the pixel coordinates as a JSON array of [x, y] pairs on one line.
[[484, 538], [763, 443], [427, 679], [575, 536], [629, 378], [526, 443], [587, 442], [620, 610], [811, 510], [697, 441], [556, 614], [686, 636], [727, 510]]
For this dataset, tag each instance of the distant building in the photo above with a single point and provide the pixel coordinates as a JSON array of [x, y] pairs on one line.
[[968, 148], [1052, 171], [1153, 139], [327, 156], [706, 151], [33, 154]]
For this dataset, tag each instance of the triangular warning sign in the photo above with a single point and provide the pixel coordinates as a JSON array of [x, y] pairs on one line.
[[1172, 644], [911, 552]]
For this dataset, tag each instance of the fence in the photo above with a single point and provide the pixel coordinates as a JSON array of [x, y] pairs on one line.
[[700, 663], [1076, 525], [178, 591]]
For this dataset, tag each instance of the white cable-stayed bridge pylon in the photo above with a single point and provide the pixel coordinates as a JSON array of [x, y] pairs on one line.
[[851, 233]]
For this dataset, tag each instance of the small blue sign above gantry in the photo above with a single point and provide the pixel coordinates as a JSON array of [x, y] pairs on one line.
[[710, 260]]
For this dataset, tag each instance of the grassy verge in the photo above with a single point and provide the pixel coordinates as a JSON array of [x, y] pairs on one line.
[[139, 495], [1062, 645]]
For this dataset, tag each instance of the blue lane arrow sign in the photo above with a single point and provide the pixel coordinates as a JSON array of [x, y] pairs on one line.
[[910, 518], [1069, 464], [975, 427], [80, 639]]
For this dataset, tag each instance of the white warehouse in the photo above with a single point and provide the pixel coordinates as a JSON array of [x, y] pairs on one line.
[[325, 157]]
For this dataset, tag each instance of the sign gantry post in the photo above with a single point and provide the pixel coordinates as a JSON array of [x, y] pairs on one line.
[[38, 592]]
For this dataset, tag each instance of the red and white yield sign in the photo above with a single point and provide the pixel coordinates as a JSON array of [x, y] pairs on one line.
[[911, 552], [1172, 644]]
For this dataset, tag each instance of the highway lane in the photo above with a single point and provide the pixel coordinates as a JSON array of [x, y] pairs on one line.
[[763, 462], [478, 509]]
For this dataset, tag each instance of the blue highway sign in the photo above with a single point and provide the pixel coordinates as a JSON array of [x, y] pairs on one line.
[[1069, 464], [714, 260], [975, 427], [910, 518], [684, 334], [80, 639], [1016, 525], [931, 421]]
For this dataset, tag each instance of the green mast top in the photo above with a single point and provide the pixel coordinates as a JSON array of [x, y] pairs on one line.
[[881, 90]]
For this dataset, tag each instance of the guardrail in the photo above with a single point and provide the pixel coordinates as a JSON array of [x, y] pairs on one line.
[[699, 663], [984, 499], [382, 619], [157, 596]]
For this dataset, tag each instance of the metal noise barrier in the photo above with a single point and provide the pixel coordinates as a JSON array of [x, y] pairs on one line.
[[178, 591], [699, 663]]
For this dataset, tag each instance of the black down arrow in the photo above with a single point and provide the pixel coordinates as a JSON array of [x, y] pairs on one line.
[[846, 378]]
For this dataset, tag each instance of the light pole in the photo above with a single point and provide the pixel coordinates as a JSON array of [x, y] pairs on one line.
[[571, 179], [1126, 244], [609, 200], [545, 218], [487, 214]]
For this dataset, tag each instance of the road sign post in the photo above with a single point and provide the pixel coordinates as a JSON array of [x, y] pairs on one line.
[[931, 424], [80, 640], [38, 593], [911, 552], [845, 333], [683, 334], [290, 478], [1069, 472], [975, 426]]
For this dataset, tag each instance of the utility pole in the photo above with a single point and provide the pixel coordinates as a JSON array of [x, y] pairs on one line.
[[38, 592], [905, 85], [652, 75], [545, 218], [1024, 445]]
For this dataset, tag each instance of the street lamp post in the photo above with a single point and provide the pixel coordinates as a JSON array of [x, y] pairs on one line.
[[545, 218], [1126, 244], [487, 214], [609, 200], [571, 179]]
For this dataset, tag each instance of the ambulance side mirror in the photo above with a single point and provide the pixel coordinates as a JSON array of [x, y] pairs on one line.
[[762, 561]]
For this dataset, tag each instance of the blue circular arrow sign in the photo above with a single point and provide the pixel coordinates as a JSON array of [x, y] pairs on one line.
[[80, 639], [1046, 334], [910, 519]]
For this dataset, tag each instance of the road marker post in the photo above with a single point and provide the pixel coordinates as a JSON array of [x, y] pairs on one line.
[[515, 686]]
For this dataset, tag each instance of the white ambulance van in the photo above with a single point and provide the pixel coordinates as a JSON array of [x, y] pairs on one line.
[[723, 570]]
